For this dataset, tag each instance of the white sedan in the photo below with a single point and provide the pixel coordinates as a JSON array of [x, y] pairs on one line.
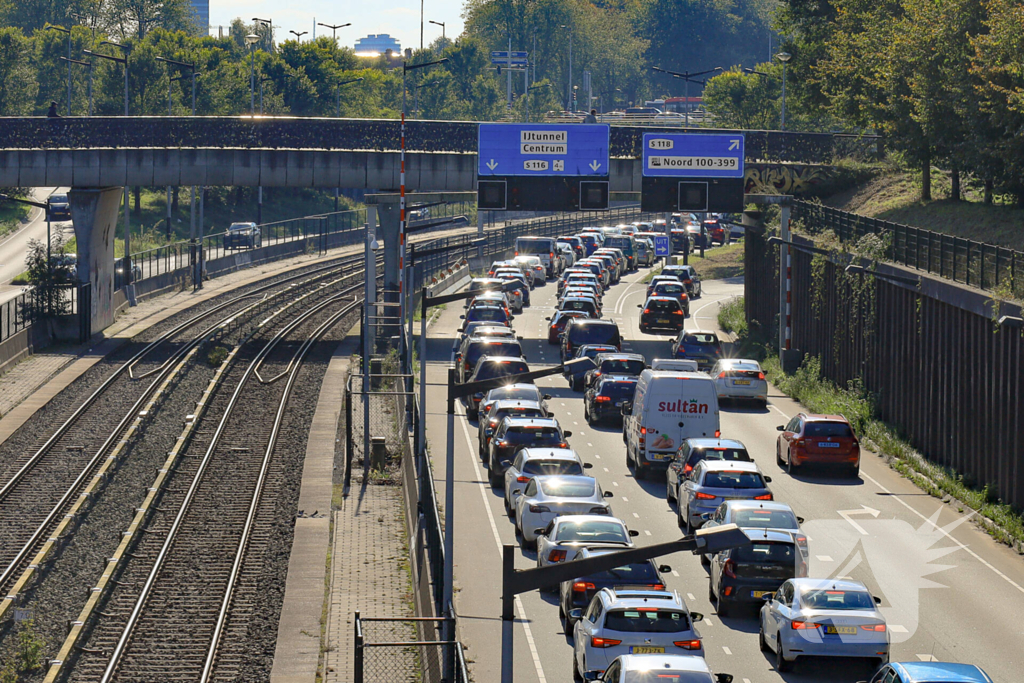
[[547, 497], [740, 378], [565, 536], [532, 462]]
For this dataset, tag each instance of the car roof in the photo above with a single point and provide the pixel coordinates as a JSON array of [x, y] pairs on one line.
[[664, 662], [814, 417], [618, 355], [701, 332], [485, 359], [757, 505], [594, 321], [518, 385], [642, 598], [704, 442], [481, 339], [807, 583], [550, 454], [562, 519], [947, 672], [618, 378], [522, 421], [516, 403], [738, 361], [763, 534], [743, 465], [663, 298]]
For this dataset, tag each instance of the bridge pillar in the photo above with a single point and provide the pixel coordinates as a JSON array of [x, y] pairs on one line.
[[94, 212], [388, 215]]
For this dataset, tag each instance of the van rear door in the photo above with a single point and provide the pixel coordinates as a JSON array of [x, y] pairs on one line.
[[681, 406]]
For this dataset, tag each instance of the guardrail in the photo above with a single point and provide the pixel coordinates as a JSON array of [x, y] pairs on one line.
[[985, 266], [29, 307]]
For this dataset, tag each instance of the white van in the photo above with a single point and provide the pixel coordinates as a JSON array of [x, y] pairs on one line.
[[674, 364], [543, 248], [667, 407]]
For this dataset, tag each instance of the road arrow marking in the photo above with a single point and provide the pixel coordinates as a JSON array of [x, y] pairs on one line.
[[734, 144], [492, 164], [595, 164], [865, 510]]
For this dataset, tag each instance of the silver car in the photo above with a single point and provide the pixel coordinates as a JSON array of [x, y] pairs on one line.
[[547, 497], [739, 378], [565, 536], [531, 462], [714, 481], [822, 618]]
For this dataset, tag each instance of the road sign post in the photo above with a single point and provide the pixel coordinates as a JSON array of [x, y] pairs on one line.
[[692, 172]]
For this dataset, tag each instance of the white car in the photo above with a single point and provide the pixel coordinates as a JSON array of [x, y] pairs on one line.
[[672, 668], [513, 392], [565, 536], [822, 618], [567, 254], [531, 462], [535, 266], [632, 622], [547, 497], [739, 378]]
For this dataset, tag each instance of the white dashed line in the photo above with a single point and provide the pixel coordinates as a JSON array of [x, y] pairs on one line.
[[636, 515], [615, 483], [625, 500], [824, 558], [647, 532], [707, 622], [605, 469], [598, 457], [689, 596], [896, 628], [675, 573], [591, 445], [726, 650], [927, 658]]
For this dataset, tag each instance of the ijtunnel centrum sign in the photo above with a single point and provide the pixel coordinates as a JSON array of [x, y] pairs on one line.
[[534, 149]]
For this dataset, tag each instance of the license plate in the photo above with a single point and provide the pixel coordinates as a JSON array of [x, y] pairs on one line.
[[663, 321], [841, 630], [741, 382], [618, 404], [827, 445], [657, 456], [758, 594], [646, 650]]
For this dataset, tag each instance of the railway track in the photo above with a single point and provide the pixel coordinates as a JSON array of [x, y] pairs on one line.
[[48, 487], [182, 606]]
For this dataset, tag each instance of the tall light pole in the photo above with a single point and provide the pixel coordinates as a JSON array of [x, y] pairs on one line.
[[334, 29], [87, 65], [687, 78], [270, 25], [444, 41], [67, 31], [251, 41], [127, 259], [784, 57], [568, 87], [193, 255], [298, 34], [337, 89]]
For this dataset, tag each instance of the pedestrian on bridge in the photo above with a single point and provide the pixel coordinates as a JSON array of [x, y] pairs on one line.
[[52, 111], [591, 117]]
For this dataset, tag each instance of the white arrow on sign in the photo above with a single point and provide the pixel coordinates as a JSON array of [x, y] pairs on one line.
[[492, 164], [734, 144], [595, 164], [865, 510]]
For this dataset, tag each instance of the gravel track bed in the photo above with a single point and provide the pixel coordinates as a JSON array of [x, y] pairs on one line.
[[192, 580]]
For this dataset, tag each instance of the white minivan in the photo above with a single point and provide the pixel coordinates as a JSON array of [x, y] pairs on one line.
[[667, 407]]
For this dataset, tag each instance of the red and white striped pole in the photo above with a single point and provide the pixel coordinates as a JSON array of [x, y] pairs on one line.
[[785, 285]]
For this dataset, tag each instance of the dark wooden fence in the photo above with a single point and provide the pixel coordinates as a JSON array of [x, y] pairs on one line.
[[943, 372]]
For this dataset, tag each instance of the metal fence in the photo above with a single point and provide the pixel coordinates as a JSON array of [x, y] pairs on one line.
[[406, 650], [29, 307], [386, 400], [985, 266]]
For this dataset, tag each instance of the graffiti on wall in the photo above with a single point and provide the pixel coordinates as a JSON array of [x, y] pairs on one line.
[[792, 179]]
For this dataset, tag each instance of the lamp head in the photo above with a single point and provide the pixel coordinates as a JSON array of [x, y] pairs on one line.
[[783, 57], [252, 39]]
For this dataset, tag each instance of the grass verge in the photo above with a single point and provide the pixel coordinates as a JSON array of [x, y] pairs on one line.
[[819, 395]]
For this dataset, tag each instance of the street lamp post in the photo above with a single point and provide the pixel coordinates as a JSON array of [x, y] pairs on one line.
[[334, 29], [89, 66], [298, 35], [568, 88], [784, 57], [67, 31], [269, 24], [444, 41], [687, 78], [337, 191], [251, 41]]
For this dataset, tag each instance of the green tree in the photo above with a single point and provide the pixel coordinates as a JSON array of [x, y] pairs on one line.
[[18, 85], [744, 100]]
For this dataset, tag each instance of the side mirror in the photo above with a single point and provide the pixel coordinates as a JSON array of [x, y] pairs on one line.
[[566, 434], [723, 678], [768, 479], [608, 494], [768, 597], [799, 520], [593, 675], [517, 491], [576, 614], [462, 317], [780, 428], [634, 533], [639, 305], [696, 616], [664, 569], [705, 516], [547, 397], [588, 465], [539, 531], [519, 338], [878, 600]]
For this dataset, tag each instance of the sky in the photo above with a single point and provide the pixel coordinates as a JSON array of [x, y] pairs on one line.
[[399, 18]]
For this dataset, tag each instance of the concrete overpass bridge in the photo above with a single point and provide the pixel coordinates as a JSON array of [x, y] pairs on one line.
[[96, 156]]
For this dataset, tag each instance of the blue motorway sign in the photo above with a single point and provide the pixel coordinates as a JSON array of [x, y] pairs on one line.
[[539, 149], [661, 247], [693, 155], [501, 57]]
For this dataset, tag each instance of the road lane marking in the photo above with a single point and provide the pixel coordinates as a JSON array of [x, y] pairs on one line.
[[689, 596], [590, 444], [615, 483], [847, 514], [647, 532], [625, 500], [636, 515], [726, 650], [896, 628], [598, 457], [675, 573], [779, 412], [824, 558], [707, 621], [605, 469], [927, 658]]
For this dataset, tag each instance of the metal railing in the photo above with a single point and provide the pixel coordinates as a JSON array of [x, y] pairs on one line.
[[405, 649], [29, 307], [985, 266]]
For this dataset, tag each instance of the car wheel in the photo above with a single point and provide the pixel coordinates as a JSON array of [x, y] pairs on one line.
[[689, 530], [711, 593], [855, 472], [576, 675], [778, 455], [639, 471], [705, 559], [494, 480], [508, 508], [761, 642], [670, 495], [790, 467], [723, 605], [586, 413], [680, 522], [781, 665]]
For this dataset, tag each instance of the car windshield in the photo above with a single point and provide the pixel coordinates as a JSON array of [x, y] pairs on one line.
[[523, 411], [592, 352], [492, 348], [58, 199], [668, 288], [569, 488], [618, 390], [596, 334], [642, 573], [766, 552], [567, 467], [827, 429], [500, 368], [662, 306], [836, 599], [534, 246], [517, 393], [698, 454], [767, 519], [733, 480], [487, 313], [646, 620], [622, 367], [700, 339], [602, 531], [533, 436], [577, 305]]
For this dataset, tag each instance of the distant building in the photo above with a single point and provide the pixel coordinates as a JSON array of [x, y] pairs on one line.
[[202, 10], [373, 44]]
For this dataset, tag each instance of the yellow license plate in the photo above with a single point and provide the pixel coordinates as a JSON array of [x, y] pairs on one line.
[[841, 630], [658, 456], [742, 382], [646, 650], [758, 594]]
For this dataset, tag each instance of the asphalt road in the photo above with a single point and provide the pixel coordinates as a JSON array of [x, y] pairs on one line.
[[949, 591], [14, 247]]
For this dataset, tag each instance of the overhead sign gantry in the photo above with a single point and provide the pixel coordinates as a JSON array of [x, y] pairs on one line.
[[692, 172]]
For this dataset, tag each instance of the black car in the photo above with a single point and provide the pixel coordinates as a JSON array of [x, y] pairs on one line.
[[580, 331], [742, 576], [688, 276], [514, 433], [473, 349], [576, 594], [702, 346], [498, 411], [60, 208], [662, 314], [614, 363], [491, 367], [604, 399], [586, 351]]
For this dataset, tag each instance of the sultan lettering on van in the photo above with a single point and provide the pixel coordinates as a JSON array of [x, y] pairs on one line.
[[689, 407]]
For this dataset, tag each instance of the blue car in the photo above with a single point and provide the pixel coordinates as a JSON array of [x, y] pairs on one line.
[[930, 672], [713, 481], [702, 346]]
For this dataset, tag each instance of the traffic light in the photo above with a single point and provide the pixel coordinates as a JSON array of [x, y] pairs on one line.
[[593, 195], [693, 195], [491, 195]]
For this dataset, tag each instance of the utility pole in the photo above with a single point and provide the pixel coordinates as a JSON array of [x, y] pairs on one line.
[[334, 30], [89, 66], [67, 112], [686, 77]]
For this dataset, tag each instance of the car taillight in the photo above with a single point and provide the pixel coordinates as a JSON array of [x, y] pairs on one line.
[[501, 444], [656, 586], [803, 625], [556, 556], [687, 282], [721, 375], [603, 642], [800, 443], [875, 628], [704, 496], [602, 399], [522, 480], [643, 430], [494, 422], [729, 569], [801, 541], [718, 433], [677, 312], [687, 644], [539, 508], [647, 311], [583, 586], [760, 375], [766, 496], [687, 468]]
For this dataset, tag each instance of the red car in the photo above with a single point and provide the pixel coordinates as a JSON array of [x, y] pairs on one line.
[[818, 440], [716, 231], [558, 321]]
